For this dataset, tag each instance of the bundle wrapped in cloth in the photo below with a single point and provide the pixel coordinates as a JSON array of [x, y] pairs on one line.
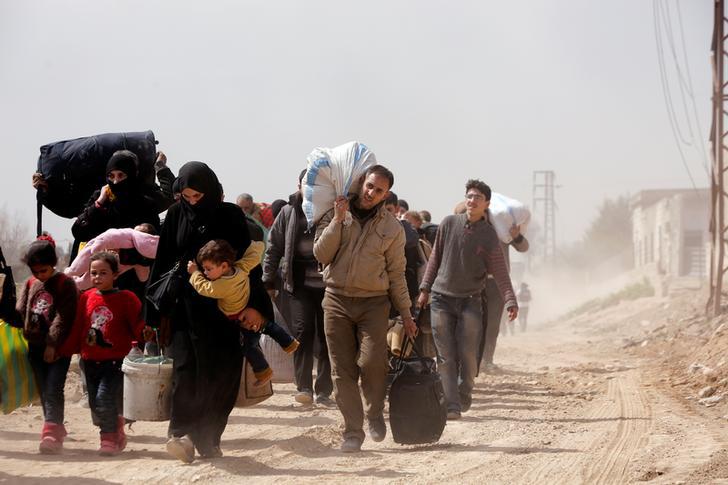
[[332, 172], [504, 213]]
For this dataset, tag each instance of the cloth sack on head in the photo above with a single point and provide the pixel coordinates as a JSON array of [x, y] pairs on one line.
[[331, 172], [505, 212]]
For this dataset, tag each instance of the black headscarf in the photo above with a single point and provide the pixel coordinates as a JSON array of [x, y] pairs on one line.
[[198, 176], [127, 162]]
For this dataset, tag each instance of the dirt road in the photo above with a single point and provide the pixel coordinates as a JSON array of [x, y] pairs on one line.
[[570, 406]]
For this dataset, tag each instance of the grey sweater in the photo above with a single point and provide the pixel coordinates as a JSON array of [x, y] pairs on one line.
[[463, 255]]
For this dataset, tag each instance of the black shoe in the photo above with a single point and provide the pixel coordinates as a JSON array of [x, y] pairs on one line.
[[377, 429], [214, 452], [351, 445], [466, 400], [324, 400], [453, 415]]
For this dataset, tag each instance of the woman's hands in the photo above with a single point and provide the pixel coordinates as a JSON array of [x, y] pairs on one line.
[[104, 196], [39, 183]]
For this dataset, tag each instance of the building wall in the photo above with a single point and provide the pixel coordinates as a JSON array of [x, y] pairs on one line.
[[670, 232]]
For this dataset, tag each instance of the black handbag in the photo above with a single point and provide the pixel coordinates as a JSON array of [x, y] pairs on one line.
[[417, 407], [8, 297], [164, 293]]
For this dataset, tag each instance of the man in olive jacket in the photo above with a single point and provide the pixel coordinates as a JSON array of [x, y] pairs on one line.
[[362, 252]]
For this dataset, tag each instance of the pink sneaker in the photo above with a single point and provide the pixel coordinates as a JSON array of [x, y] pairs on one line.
[[109, 444], [51, 438]]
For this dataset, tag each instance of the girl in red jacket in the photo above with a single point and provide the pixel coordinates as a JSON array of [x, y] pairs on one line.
[[109, 320], [48, 307]]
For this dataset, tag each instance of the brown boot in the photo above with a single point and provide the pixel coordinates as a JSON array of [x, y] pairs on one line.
[[263, 377]]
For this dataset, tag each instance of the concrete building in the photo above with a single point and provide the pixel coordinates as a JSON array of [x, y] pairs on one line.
[[670, 233]]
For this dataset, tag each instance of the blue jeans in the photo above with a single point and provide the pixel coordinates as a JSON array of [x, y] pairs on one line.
[[251, 343], [104, 381], [457, 326], [51, 378]]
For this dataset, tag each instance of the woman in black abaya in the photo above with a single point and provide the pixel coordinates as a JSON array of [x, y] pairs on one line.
[[206, 345]]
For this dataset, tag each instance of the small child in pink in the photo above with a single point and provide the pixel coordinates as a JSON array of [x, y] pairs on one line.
[[142, 239]]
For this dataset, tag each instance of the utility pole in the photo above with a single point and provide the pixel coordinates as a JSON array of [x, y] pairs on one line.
[[718, 134], [544, 209]]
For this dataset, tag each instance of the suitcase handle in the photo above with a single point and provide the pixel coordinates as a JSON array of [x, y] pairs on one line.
[[409, 341]]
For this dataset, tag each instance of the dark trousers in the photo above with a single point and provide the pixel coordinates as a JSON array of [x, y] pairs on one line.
[[277, 333], [205, 382], [50, 378], [104, 381], [307, 325], [492, 314], [250, 342]]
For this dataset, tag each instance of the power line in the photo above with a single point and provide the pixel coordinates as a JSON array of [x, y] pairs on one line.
[[682, 84], [667, 97], [663, 72], [685, 83], [691, 93]]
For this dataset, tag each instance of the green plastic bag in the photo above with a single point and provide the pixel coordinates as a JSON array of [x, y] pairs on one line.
[[17, 382]]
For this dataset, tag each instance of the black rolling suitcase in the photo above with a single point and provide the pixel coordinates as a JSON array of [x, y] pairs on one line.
[[417, 407]]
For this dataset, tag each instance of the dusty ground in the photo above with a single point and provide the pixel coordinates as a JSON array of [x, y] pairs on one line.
[[583, 400]]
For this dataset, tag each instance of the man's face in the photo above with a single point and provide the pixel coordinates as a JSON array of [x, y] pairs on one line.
[[392, 209], [246, 205], [374, 190], [416, 223], [475, 204]]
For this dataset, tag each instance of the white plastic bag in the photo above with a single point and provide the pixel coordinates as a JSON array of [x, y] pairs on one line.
[[505, 212], [331, 172]]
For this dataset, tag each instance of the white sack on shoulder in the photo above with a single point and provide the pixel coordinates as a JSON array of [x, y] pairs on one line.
[[505, 212], [331, 172]]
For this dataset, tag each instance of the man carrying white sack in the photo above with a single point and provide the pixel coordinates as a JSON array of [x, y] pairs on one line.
[[363, 257], [492, 301], [466, 250]]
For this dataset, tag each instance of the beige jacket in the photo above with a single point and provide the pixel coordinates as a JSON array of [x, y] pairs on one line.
[[364, 261]]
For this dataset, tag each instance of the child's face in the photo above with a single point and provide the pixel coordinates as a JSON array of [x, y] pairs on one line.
[[42, 272], [102, 277], [214, 271]]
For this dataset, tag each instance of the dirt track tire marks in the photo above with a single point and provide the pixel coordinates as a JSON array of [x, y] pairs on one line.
[[609, 465], [605, 458]]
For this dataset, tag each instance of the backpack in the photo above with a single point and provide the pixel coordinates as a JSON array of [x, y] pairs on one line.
[[74, 169], [417, 407]]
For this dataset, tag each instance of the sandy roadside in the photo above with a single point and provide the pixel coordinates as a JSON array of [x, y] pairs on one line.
[[571, 406]]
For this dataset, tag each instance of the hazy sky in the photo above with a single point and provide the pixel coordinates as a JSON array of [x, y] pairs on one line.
[[441, 91]]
